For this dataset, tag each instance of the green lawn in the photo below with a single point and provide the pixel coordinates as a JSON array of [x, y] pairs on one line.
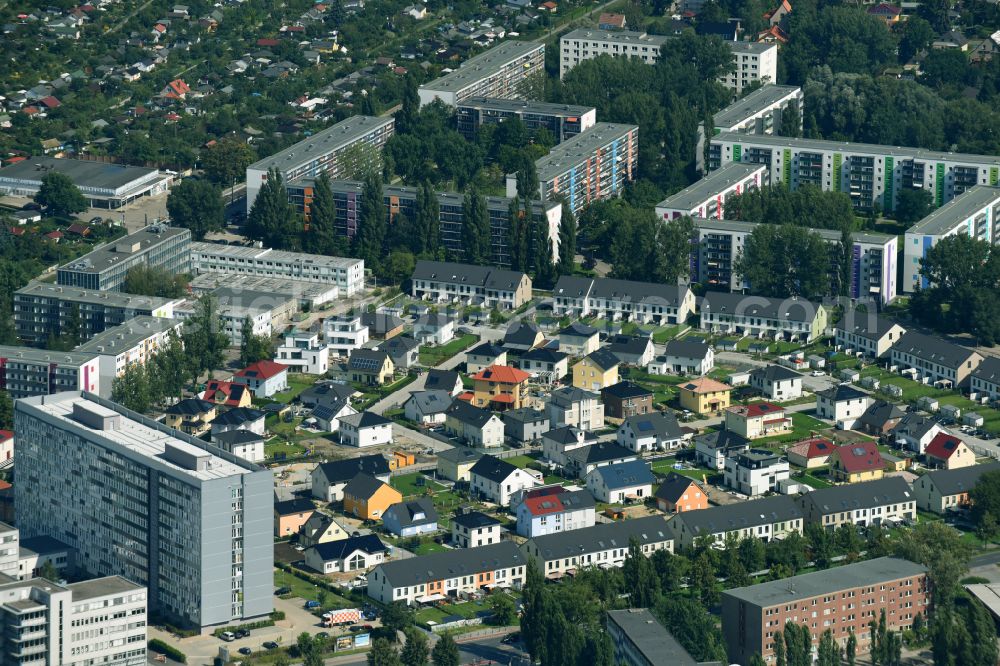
[[437, 614], [810, 479], [520, 461], [278, 445], [409, 486], [664, 333], [802, 426], [309, 592], [296, 385], [432, 356], [446, 502]]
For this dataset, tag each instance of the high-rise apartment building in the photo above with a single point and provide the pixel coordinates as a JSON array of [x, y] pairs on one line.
[[591, 166], [133, 498], [707, 197], [562, 120], [719, 242], [870, 174], [325, 151], [26, 371], [42, 310], [975, 213], [156, 246], [753, 61], [100, 621], [134, 342], [842, 599], [505, 71], [760, 112], [402, 200]]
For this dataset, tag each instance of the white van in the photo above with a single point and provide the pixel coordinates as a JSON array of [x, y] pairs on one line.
[[227, 636]]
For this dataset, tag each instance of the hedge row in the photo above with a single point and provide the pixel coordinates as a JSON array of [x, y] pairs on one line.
[[260, 624], [156, 645]]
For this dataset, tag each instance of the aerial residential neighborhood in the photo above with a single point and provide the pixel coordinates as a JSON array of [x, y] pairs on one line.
[[536, 332]]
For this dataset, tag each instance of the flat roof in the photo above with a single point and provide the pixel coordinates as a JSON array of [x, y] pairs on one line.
[[406, 192], [577, 149], [708, 224], [713, 183], [772, 141], [651, 638], [15, 353], [267, 254], [818, 583], [139, 435], [322, 143], [957, 211], [93, 296], [83, 173], [128, 335], [525, 106], [756, 102], [615, 36], [102, 587], [209, 281], [484, 65], [108, 255]]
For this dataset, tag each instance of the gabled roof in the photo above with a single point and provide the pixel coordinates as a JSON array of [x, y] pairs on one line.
[[598, 453], [238, 416], [890, 490], [722, 440], [420, 511], [705, 385], [452, 564], [431, 402], [6, 435], [571, 286], [865, 325], [545, 505], [463, 412], [293, 506], [782, 309], [579, 330], [543, 354], [879, 412], [842, 392], [486, 349], [380, 322], [859, 457], [625, 474], [814, 447], [501, 374], [493, 468], [479, 276], [756, 409], [775, 373], [603, 359], [433, 320], [262, 370], [237, 437], [674, 487], [329, 388], [570, 394], [624, 390], [339, 471], [601, 537], [445, 380], [338, 550], [233, 392], [932, 349], [525, 415], [627, 345], [943, 446], [915, 425], [474, 519], [961, 480], [460, 454], [370, 360], [988, 370], [739, 516], [567, 435], [363, 486], [399, 345], [190, 407], [655, 423], [687, 349], [521, 333], [328, 408], [630, 290], [365, 420]]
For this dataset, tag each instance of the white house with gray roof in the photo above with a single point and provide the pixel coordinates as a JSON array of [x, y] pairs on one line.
[[444, 282], [985, 379], [496, 480], [427, 407], [571, 406], [766, 518], [758, 316], [622, 300], [365, 429], [930, 360], [579, 339], [887, 501], [621, 483], [657, 431], [776, 382], [683, 357], [867, 333]]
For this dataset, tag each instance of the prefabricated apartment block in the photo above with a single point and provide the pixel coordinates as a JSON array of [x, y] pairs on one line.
[[504, 71]]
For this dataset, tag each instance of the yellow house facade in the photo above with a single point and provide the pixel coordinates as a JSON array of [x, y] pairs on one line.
[[596, 371], [704, 395]]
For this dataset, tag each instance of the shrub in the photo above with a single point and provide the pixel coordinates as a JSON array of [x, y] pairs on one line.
[[156, 645]]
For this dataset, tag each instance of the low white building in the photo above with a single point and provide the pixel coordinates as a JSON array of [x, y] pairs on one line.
[[243, 443], [556, 443], [776, 382], [755, 472], [303, 352], [365, 429], [427, 407], [915, 431], [621, 483], [434, 329], [329, 411], [683, 358], [650, 432], [579, 340], [483, 356], [359, 553], [496, 480], [239, 418], [344, 334], [571, 406], [842, 404], [474, 529], [476, 427], [560, 510], [263, 378]]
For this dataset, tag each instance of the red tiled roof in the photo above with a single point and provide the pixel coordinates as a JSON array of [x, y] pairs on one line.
[[17, 231], [262, 370], [942, 446], [232, 392], [502, 398], [50, 102], [760, 409], [466, 396], [54, 235], [6, 434], [885, 8], [5, 486], [816, 447], [79, 229], [544, 505], [502, 374], [859, 457], [617, 20], [266, 41]]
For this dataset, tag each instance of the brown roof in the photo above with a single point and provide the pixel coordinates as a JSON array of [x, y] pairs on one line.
[[705, 385]]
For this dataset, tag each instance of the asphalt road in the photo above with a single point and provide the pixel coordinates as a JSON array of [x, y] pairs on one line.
[[485, 651]]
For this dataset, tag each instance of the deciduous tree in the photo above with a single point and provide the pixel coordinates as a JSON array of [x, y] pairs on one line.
[[59, 195]]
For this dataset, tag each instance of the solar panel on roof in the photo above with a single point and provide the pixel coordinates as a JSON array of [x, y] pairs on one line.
[[645, 426]]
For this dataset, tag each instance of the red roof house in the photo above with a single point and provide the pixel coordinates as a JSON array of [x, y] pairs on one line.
[[264, 378], [50, 102], [948, 452], [229, 394], [267, 41], [54, 235], [812, 452], [176, 89], [78, 229], [858, 461], [609, 21]]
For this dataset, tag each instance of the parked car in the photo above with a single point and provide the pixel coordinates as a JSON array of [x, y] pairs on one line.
[[282, 590], [245, 651], [270, 645], [242, 633], [817, 373]]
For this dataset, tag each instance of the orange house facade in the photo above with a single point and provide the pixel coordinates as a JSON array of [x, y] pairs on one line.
[[367, 498]]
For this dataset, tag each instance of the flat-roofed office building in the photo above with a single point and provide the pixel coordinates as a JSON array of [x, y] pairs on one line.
[[591, 166], [103, 184], [505, 71], [322, 152], [136, 499], [562, 120], [105, 268]]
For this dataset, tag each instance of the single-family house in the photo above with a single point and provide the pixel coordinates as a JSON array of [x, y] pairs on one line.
[[500, 387], [191, 415], [239, 418], [525, 425], [365, 429], [367, 498], [455, 464], [704, 395], [755, 472], [759, 419], [359, 553], [474, 426], [241, 443], [579, 339], [712, 448], [596, 371], [626, 399], [483, 356], [328, 479], [915, 431], [880, 418], [291, 515], [621, 483], [656, 431], [344, 334], [326, 390], [634, 350], [264, 378], [382, 325], [556, 443], [857, 462], [403, 351], [473, 529], [370, 367], [320, 528], [679, 493], [427, 407], [443, 380], [496, 480], [571, 406], [948, 452], [329, 411], [548, 365], [582, 460], [683, 357], [411, 517], [810, 453], [227, 394], [842, 404], [776, 382], [554, 509], [522, 336], [434, 329]]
